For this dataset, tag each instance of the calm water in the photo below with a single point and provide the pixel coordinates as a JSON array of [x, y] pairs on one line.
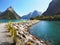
[[4, 21], [47, 30]]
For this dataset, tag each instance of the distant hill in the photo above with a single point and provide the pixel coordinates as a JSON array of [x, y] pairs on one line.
[[0, 12], [9, 14], [26, 16], [31, 14], [53, 8]]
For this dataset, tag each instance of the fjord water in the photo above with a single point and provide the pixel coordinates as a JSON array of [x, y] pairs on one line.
[[47, 30], [5, 21]]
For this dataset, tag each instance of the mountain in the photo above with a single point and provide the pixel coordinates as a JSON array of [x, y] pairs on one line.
[[36, 13], [27, 16], [9, 14], [52, 13], [31, 14], [0, 12], [53, 8]]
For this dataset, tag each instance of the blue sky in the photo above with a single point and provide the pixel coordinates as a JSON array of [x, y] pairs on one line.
[[23, 7]]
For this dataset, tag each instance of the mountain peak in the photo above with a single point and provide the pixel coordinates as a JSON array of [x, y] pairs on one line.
[[31, 14], [9, 14], [35, 11], [10, 8]]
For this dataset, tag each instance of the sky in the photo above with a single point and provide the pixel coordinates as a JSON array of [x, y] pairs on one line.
[[23, 7]]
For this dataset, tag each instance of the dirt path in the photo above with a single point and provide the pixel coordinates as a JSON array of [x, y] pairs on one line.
[[3, 34]]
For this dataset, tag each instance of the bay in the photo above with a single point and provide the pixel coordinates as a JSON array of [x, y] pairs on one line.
[[47, 30]]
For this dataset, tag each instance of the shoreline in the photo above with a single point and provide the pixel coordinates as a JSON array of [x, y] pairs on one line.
[[37, 37], [29, 24], [22, 29]]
